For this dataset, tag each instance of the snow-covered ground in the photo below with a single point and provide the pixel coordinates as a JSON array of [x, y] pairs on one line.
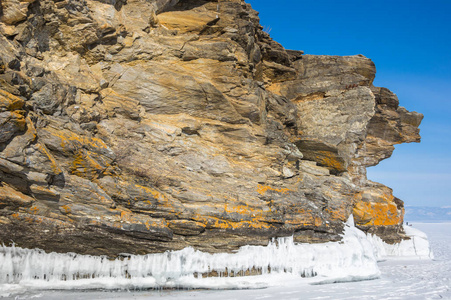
[[400, 279]]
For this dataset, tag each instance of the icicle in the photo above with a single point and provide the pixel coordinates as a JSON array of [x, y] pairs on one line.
[[189, 268]]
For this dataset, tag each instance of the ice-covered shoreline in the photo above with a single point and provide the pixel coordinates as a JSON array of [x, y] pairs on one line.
[[353, 258]]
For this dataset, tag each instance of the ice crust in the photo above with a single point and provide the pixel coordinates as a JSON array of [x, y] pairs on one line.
[[353, 258], [417, 247]]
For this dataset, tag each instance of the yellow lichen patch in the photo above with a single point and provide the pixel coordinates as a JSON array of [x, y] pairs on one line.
[[233, 213], [156, 194], [376, 214], [10, 102], [126, 216], [11, 197], [262, 189], [163, 202], [65, 209], [84, 165], [69, 139], [155, 224], [33, 210], [301, 217], [27, 218], [330, 160], [185, 224], [338, 213], [318, 222], [216, 223], [243, 209], [254, 224], [129, 217], [19, 120], [377, 207], [53, 164]]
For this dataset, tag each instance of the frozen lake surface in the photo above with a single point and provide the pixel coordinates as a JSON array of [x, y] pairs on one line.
[[400, 279]]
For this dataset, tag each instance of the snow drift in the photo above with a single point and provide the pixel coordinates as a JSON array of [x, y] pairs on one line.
[[416, 247]]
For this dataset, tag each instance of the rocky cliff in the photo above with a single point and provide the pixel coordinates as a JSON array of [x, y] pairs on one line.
[[142, 126]]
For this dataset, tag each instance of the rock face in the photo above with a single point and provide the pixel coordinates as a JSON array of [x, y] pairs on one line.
[[142, 126]]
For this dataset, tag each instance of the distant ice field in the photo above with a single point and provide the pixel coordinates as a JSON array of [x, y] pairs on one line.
[[400, 279]]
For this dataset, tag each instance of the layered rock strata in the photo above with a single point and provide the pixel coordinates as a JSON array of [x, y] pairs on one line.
[[139, 127]]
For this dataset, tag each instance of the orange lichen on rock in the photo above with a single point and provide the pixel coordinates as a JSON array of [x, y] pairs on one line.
[[186, 227], [243, 209], [68, 140], [330, 160], [303, 220], [377, 213], [28, 218], [217, 223], [65, 209], [10, 102], [53, 164], [87, 154], [14, 198], [33, 210], [262, 189], [129, 217], [18, 119], [337, 214], [84, 165], [156, 194], [341, 210], [126, 216], [156, 200]]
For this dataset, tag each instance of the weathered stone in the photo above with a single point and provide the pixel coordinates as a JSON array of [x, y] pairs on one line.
[[146, 126], [10, 102], [311, 168], [186, 22], [186, 227], [14, 11], [44, 193], [11, 123], [11, 198]]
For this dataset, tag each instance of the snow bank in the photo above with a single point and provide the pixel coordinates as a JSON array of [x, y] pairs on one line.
[[417, 247], [350, 259]]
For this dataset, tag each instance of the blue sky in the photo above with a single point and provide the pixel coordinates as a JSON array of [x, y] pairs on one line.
[[410, 43]]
